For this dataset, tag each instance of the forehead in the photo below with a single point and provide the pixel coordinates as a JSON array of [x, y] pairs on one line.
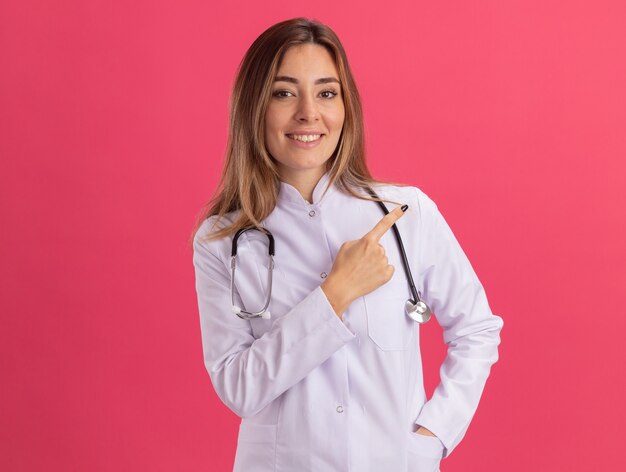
[[307, 60]]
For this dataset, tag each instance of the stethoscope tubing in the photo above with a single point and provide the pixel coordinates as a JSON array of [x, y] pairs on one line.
[[240, 312], [415, 308], [405, 262]]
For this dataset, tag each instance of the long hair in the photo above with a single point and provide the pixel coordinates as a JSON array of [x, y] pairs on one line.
[[250, 180]]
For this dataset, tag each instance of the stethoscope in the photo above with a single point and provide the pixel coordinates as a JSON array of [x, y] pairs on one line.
[[415, 308]]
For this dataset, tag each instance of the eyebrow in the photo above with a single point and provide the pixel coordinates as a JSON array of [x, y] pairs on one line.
[[293, 80]]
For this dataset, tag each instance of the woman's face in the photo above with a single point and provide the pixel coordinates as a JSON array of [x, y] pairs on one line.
[[305, 113]]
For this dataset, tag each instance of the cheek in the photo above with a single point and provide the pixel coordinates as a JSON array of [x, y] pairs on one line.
[[337, 121], [273, 119], [339, 115]]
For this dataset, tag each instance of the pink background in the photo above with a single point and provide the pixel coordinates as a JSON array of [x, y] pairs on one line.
[[113, 118]]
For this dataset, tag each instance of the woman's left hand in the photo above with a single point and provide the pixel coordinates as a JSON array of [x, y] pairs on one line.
[[424, 431]]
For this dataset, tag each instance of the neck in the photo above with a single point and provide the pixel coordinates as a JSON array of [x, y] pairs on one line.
[[303, 182]]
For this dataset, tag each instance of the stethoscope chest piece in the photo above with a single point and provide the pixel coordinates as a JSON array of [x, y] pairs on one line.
[[417, 311]]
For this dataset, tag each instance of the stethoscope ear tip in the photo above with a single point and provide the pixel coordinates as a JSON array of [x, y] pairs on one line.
[[236, 309], [266, 315]]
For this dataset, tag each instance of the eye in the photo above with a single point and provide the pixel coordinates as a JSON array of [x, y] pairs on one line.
[[328, 94], [281, 93]]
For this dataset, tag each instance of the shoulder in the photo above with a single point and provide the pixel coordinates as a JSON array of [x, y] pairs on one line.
[[204, 246]]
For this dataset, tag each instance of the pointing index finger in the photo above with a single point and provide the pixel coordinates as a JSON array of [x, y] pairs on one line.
[[385, 223]]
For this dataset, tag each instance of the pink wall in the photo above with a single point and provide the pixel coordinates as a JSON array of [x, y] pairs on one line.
[[113, 115]]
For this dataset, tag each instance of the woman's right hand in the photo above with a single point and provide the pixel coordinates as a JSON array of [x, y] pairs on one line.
[[361, 266]]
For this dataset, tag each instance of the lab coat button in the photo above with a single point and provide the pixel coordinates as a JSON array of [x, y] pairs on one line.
[[339, 409], [312, 213], [323, 275]]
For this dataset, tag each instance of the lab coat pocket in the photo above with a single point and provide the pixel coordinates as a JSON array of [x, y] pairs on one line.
[[387, 324], [425, 453], [256, 447]]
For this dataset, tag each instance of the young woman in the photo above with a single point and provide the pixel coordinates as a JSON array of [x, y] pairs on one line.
[[317, 348]]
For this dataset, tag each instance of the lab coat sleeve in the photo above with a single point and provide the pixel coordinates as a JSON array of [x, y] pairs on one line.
[[470, 330], [247, 373]]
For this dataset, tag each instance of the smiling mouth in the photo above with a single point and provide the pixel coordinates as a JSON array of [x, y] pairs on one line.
[[305, 138]]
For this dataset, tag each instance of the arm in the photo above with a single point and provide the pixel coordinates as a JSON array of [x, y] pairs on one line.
[[471, 330], [249, 373]]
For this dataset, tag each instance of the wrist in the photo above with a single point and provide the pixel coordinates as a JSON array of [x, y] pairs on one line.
[[336, 296]]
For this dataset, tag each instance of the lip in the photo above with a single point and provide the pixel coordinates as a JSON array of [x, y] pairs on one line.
[[304, 131], [303, 145]]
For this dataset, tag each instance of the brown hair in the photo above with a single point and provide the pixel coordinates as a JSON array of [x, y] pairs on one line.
[[250, 180]]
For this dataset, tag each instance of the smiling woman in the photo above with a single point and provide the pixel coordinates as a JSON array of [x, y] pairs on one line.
[[332, 379], [305, 115]]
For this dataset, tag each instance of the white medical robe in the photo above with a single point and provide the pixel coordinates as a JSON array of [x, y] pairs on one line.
[[318, 393]]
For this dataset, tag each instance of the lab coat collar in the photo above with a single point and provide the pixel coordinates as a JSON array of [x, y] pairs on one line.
[[288, 193]]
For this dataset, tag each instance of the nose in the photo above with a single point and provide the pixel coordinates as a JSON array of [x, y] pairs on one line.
[[307, 110]]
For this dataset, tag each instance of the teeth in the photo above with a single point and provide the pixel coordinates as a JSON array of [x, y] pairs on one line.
[[305, 137]]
